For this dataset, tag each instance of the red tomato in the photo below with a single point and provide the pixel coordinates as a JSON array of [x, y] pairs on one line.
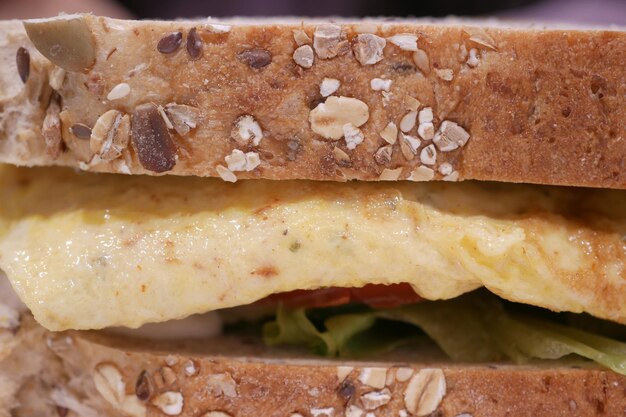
[[374, 295], [385, 296]]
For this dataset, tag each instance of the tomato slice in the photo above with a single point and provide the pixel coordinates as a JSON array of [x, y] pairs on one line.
[[385, 296], [373, 295]]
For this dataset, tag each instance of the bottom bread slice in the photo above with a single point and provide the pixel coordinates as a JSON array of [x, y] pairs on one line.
[[95, 374]]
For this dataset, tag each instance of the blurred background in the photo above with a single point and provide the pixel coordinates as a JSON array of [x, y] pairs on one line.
[[576, 11]]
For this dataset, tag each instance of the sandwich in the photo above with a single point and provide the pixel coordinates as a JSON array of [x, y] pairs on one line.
[[314, 218]]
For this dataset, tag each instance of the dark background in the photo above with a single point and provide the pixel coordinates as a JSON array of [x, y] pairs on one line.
[[601, 12], [171, 9]]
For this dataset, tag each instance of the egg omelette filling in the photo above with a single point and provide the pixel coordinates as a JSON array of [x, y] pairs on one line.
[[89, 251]]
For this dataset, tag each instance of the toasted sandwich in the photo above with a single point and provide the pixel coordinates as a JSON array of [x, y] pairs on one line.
[[311, 218]]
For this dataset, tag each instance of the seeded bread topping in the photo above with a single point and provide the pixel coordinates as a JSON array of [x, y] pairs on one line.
[[317, 100]]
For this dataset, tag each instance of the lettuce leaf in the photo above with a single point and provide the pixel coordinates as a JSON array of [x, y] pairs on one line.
[[343, 328], [475, 327], [384, 337], [525, 338], [294, 327], [455, 327]]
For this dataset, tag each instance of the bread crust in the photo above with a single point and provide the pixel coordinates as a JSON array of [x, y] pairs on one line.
[[540, 105], [242, 384], [96, 374]]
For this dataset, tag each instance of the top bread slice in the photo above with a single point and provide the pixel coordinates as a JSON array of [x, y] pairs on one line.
[[321, 100]]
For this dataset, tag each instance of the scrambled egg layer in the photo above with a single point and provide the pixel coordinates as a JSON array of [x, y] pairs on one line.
[[87, 251]]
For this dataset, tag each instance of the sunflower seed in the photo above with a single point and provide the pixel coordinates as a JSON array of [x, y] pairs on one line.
[[81, 131], [22, 59], [256, 58], [170, 43], [405, 41], [151, 140], [121, 90], [194, 44], [143, 387], [421, 60], [304, 56]]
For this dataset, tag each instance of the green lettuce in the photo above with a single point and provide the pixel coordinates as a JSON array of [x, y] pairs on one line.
[[455, 326], [293, 327], [475, 327]]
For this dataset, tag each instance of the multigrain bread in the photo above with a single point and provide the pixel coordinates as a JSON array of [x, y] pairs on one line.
[[246, 99], [82, 374]]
